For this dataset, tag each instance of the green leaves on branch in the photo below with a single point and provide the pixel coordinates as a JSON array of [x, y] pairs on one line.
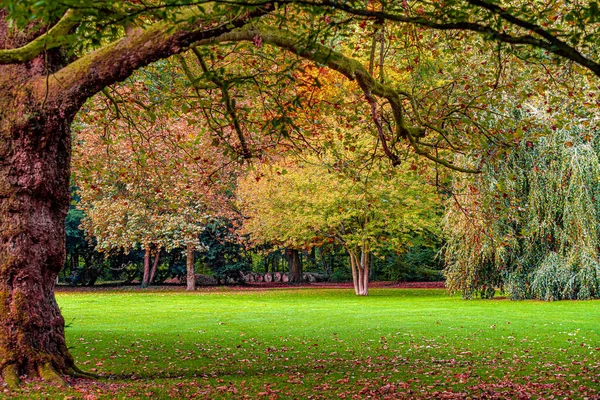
[[529, 223]]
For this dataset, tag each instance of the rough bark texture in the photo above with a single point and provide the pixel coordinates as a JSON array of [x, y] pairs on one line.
[[191, 274], [295, 266], [35, 142]]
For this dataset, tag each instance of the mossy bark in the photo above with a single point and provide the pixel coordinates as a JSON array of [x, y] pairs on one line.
[[34, 174], [34, 200]]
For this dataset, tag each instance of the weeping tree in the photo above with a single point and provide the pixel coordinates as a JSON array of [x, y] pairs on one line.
[[529, 223]]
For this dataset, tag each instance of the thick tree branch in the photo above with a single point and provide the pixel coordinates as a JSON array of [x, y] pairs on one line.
[[229, 103], [349, 67], [118, 60], [552, 43], [548, 41], [55, 37], [379, 126]]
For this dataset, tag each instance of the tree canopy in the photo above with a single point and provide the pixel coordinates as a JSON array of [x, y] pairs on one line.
[[365, 207]]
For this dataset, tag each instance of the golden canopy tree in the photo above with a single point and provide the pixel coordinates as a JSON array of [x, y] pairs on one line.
[[347, 198]]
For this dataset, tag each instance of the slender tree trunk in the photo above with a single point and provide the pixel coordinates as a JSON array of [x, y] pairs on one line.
[[371, 261], [191, 275], [75, 259], [146, 274], [364, 261], [154, 266], [295, 266], [360, 270], [355, 271]]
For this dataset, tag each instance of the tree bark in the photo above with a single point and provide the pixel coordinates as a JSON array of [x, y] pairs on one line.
[[354, 268], [364, 269], [359, 263], [154, 266], [295, 266], [191, 274], [35, 143], [146, 273], [75, 259]]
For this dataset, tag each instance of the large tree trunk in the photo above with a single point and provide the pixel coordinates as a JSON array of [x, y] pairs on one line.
[[35, 143], [295, 266], [191, 274]]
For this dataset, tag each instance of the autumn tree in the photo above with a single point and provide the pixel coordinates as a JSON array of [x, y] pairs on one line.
[[163, 199], [56, 55], [146, 180], [364, 207]]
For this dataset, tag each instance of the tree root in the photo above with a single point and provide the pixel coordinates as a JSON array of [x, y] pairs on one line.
[[49, 374], [11, 377], [77, 373]]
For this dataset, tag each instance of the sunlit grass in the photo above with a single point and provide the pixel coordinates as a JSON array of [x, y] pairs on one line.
[[328, 343]]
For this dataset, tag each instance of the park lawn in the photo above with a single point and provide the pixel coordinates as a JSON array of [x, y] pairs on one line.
[[326, 343]]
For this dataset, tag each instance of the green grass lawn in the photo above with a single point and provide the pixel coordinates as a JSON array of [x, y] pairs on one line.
[[327, 343]]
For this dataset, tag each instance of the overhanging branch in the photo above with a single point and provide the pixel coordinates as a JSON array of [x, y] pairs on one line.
[[116, 61], [545, 39], [349, 67]]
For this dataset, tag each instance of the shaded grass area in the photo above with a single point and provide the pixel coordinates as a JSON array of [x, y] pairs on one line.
[[327, 343]]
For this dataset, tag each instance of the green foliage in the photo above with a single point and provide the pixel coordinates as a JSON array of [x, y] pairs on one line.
[[418, 264], [312, 204], [342, 274], [222, 251], [529, 223], [75, 236]]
